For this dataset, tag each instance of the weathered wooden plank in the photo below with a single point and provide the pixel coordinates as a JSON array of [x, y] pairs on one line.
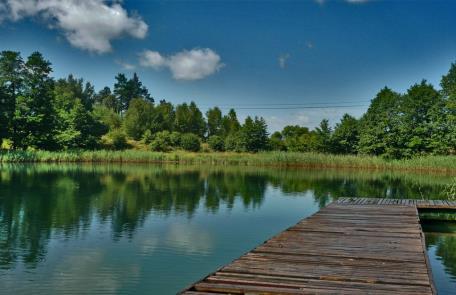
[[313, 282], [353, 246], [252, 289], [307, 283]]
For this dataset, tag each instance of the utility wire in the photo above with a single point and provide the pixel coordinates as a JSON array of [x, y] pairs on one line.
[[287, 104], [294, 107]]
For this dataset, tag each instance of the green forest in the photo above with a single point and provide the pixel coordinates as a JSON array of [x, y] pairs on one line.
[[40, 112]]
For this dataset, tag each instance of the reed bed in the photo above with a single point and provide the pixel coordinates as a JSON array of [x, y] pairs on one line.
[[437, 163]]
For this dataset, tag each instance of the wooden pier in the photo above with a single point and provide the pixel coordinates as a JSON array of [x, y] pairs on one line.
[[352, 246]]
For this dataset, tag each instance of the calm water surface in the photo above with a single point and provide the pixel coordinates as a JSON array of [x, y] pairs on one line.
[[140, 229], [441, 248]]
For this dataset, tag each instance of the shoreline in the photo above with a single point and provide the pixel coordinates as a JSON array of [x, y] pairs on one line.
[[434, 164]]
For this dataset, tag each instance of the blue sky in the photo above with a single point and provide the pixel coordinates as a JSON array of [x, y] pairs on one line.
[[252, 55]]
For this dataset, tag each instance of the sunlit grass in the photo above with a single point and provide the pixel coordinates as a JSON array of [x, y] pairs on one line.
[[438, 163]]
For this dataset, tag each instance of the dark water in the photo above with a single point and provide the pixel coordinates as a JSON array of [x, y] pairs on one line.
[[138, 229], [441, 248]]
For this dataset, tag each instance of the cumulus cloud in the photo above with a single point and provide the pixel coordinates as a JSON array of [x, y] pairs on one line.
[[152, 59], [86, 24], [194, 64], [283, 58]]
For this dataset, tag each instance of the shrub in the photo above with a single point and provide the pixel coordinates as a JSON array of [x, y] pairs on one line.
[[234, 142], [175, 138], [147, 137], [161, 142], [216, 143], [116, 140], [190, 142]]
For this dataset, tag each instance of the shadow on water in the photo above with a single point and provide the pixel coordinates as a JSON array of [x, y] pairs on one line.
[[40, 201], [441, 248]]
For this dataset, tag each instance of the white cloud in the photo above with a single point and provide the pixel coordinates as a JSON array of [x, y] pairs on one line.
[[3, 11], [194, 64], [86, 24], [152, 59], [283, 58], [125, 65]]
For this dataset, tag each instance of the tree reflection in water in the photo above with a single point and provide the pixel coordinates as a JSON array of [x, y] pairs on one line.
[[37, 201]]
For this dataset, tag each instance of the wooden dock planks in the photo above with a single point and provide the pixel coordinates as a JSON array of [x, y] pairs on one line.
[[352, 246], [420, 204]]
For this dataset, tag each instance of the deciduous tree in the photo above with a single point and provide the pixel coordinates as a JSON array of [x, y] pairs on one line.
[[34, 116]]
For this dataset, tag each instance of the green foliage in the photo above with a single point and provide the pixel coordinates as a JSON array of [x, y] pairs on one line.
[[323, 132], [276, 142], [234, 142], [379, 124], [110, 119], [107, 99], [230, 123], [307, 142], [445, 164], [254, 135], [116, 140], [77, 127], [165, 116], [189, 119], [165, 141], [161, 142], [147, 137], [448, 85], [81, 130], [138, 118], [214, 122], [190, 142], [346, 136], [175, 138], [37, 112], [11, 86], [294, 131], [216, 143], [34, 117], [298, 139], [125, 90], [414, 122]]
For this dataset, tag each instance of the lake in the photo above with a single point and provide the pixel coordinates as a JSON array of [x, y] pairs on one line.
[[154, 229]]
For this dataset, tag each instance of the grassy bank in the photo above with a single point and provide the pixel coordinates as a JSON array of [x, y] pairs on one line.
[[435, 163]]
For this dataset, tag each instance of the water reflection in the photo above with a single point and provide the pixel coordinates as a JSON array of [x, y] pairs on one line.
[[441, 247], [41, 202]]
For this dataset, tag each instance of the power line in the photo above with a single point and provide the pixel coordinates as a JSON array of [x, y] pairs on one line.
[[286, 104], [295, 107]]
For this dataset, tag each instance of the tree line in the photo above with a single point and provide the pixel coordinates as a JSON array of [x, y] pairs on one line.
[[421, 121], [40, 112]]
